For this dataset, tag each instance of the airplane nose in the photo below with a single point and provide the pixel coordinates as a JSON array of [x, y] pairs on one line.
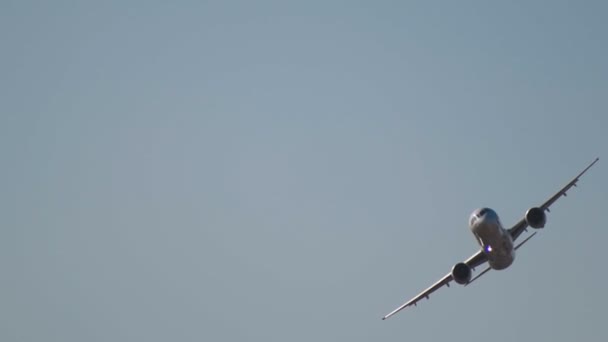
[[490, 217], [488, 220]]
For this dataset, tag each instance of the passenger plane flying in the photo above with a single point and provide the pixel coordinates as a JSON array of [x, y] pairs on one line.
[[496, 243]]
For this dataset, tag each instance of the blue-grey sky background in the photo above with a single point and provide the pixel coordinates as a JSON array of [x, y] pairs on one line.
[[292, 171]]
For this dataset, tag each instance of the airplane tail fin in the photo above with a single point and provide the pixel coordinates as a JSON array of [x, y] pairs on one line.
[[489, 268]]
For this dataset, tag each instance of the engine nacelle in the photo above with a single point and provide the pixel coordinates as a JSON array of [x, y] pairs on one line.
[[461, 273], [536, 218]]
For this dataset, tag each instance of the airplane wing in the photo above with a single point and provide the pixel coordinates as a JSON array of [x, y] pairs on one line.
[[474, 261], [521, 226], [480, 258]]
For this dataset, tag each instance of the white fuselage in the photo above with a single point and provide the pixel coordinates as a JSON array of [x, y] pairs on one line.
[[495, 241]]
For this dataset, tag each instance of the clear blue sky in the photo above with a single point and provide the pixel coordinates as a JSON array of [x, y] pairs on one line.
[[292, 171]]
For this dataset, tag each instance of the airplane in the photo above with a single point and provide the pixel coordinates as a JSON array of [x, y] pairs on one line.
[[496, 243]]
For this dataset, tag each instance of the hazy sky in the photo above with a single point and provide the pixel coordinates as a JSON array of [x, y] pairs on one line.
[[292, 171]]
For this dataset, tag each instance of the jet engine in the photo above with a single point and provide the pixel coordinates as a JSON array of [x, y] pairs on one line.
[[461, 273], [536, 217]]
